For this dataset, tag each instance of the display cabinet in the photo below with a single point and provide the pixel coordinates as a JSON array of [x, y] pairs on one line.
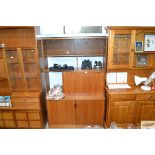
[[84, 100], [20, 79], [130, 50], [124, 51]]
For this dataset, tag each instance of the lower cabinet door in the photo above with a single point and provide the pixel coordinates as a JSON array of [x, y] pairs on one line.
[[123, 112], [89, 112], [61, 113], [146, 111]]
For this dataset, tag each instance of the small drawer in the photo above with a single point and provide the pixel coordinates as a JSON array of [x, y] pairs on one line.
[[20, 116], [122, 97], [31, 105], [22, 124], [34, 116], [35, 124], [9, 123], [7, 115], [14, 100], [149, 97]]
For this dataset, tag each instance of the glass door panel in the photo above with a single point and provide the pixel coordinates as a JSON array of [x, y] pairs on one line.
[[122, 49], [14, 69], [28, 55]]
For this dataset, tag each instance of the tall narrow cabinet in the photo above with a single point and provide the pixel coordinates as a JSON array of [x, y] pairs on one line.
[[20, 79]]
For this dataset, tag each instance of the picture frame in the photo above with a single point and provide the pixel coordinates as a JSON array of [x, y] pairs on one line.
[[139, 46], [149, 43], [141, 60]]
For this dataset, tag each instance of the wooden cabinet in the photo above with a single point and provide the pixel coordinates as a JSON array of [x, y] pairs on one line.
[[74, 46], [131, 108], [122, 53], [83, 104], [22, 69], [20, 79], [75, 113]]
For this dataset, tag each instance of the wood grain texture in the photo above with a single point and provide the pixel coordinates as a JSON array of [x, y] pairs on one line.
[[75, 46], [90, 112], [61, 112], [83, 83]]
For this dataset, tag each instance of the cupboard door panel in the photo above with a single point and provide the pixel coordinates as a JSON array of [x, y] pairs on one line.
[[146, 111], [123, 112], [90, 112], [61, 112]]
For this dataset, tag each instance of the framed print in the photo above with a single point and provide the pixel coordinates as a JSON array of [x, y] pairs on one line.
[[138, 46], [149, 43], [141, 60]]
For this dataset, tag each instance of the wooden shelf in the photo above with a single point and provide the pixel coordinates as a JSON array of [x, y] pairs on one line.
[[84, 55], [76, 70], [82, 97]]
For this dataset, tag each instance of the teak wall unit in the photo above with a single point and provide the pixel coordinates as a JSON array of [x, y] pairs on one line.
[[125, 106], [84, 99], [20, 79]]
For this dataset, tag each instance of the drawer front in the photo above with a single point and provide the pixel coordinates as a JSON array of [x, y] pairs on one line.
[[15, 100], [34, 116], [31, 105], [7, 115], [9, 123], [122, 97], [20, 116], [35, 124], [22, 124], [149, 97]]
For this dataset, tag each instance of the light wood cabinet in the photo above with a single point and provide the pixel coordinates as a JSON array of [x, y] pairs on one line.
[[132, 108], [122, 50], [20, 78]]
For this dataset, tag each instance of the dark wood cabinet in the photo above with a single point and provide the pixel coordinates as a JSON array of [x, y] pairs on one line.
[[75, 46]]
